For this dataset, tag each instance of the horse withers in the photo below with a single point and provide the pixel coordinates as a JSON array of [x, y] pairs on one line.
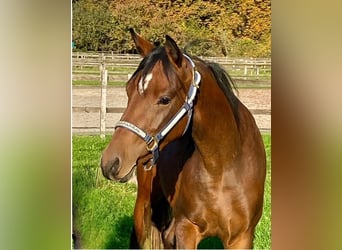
[[218, 191]]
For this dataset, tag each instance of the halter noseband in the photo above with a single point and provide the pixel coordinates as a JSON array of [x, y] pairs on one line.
[[153, 141]]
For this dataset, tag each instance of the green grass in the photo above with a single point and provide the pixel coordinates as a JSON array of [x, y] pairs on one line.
[[103, 210], [263, 230]]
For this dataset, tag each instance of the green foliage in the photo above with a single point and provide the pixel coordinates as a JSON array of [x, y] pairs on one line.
[[207, 28], [92, 25], [247, 47]]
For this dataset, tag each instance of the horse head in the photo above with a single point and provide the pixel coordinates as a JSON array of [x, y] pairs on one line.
[[160, 100]]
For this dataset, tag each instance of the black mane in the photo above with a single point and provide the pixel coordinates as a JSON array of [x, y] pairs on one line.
[[227, 85]]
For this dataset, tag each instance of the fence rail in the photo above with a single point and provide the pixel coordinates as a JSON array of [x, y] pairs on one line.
[[105, 67], [88, 65], [108, 56]]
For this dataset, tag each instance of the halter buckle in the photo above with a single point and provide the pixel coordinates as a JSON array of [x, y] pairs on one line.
[[155, 153], [154, 145]]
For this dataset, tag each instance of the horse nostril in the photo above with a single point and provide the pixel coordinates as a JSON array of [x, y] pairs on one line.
[[116, 164], [115, 167], [110, 168]]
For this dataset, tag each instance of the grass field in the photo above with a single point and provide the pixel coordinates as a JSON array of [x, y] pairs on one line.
[[103, 210]]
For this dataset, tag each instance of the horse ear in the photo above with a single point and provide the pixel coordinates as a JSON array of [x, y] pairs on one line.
[[173, 52], [143, 46]]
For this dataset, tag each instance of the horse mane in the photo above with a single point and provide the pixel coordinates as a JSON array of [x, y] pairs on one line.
[[222, 78], [226, 84]]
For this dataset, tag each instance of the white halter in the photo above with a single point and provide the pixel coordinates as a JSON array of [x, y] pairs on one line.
[[186, 108]]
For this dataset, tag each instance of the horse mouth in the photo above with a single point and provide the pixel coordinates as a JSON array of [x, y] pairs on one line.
[[145, 160], [128, 176]]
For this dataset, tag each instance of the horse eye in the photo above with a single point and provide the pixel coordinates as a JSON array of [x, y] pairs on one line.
[[164, 100]]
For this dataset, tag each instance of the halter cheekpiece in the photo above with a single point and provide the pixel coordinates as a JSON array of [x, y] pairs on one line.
[[152, 142]]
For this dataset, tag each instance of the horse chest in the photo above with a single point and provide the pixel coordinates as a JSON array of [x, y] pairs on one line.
[[209, 201]]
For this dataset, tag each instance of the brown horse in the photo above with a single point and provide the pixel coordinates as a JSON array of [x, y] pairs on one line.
[[218, 191], [152, 212]]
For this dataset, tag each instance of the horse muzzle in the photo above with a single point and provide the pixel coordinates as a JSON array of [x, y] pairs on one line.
[[112, 170]]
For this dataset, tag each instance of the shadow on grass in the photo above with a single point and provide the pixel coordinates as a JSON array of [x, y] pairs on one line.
[[120, 239], [121, 234]]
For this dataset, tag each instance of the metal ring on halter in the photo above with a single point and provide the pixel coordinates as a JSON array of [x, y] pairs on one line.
[[148, 168], [154, 145]]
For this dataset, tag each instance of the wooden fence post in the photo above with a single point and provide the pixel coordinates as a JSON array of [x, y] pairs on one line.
[[245, 69], [104, 79]]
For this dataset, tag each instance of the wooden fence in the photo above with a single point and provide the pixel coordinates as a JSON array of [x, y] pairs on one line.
[[105, 67], [87, 66]]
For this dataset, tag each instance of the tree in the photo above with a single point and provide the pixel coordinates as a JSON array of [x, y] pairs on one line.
[[92, 25], [207, 27]]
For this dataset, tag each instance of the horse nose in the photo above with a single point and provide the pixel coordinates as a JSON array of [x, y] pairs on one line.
[[110, 168]]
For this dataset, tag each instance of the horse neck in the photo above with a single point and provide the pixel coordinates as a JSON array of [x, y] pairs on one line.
[[215, 131]]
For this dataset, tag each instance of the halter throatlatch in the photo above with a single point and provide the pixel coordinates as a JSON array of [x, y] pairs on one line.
[[152, 142]]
